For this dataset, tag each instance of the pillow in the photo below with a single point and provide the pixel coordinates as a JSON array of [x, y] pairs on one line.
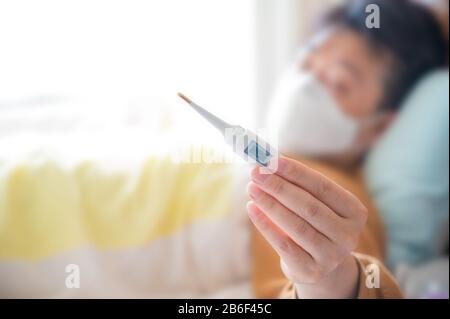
[[408, 171]]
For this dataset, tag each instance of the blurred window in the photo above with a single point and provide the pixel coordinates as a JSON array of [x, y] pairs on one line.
[[130, 49]]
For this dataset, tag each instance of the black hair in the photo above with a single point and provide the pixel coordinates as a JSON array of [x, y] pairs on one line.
[[408, 33]]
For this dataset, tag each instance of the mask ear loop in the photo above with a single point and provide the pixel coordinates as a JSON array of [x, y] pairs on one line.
[[310, 45]]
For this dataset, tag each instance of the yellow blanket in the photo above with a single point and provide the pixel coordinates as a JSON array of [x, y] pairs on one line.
[[46, 209]]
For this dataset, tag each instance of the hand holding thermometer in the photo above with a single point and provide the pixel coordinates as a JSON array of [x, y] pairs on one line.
[[245, 143]]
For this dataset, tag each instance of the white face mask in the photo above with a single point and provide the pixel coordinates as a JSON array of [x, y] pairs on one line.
[[307, 119]]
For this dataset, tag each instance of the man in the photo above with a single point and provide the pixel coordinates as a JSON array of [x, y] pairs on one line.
[[333, 104], [363, 72]]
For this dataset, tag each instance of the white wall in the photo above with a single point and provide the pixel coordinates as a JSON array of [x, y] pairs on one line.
[[227, 54], [129, 49]]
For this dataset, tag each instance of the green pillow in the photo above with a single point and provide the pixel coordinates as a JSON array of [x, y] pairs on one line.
[[408, 172]]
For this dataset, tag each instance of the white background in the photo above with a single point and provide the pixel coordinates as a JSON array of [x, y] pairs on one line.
[[225, 54]]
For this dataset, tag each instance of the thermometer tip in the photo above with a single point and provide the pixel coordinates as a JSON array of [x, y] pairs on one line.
[[184, 97]]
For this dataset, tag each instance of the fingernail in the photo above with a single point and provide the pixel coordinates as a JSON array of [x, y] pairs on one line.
[[258, 177], [253, 191]]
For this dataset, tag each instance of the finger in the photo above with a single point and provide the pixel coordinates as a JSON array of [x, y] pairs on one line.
[[298, 229], [331, 194], [319, 215], [282, 244]]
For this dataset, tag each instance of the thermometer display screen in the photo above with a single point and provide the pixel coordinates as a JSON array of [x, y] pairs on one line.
[[258, 153]]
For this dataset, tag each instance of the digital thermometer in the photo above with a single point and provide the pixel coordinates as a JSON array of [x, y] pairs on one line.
[[245, 143]]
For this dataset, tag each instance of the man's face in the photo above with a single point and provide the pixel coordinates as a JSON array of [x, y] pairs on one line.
[[354, 75], [344, 63]]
